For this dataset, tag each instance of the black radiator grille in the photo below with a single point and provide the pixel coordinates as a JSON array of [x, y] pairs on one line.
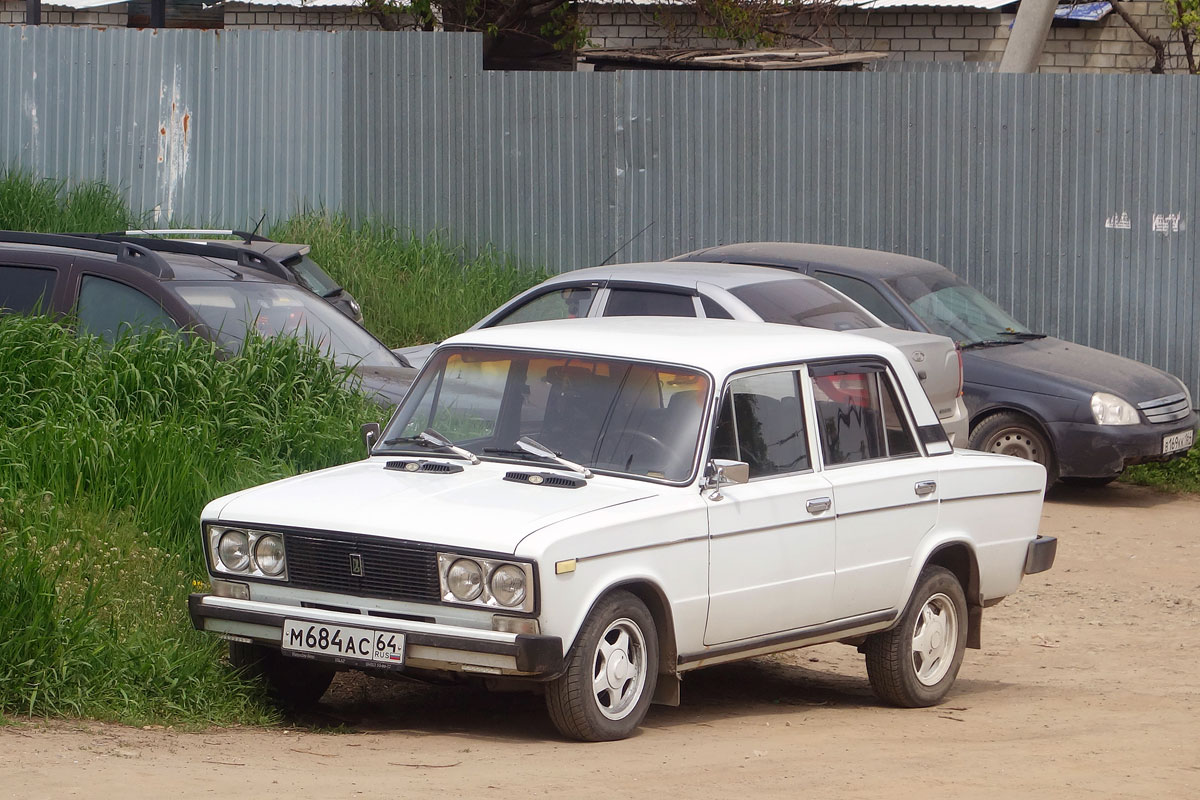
[[389, 570]]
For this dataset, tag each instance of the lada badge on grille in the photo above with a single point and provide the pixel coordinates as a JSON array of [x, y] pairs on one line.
[[356, 565]]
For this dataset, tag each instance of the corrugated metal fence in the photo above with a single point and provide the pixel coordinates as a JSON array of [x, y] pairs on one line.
[[1070, 199]]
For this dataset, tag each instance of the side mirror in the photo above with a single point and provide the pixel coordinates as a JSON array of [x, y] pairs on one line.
[[370, 434], [725, 472]]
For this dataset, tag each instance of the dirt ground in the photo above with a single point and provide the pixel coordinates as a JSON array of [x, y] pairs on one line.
[[1086, 687]]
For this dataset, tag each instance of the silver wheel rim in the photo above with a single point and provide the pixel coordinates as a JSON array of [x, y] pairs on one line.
[[1018, 442], [935, 639], [619, 668]]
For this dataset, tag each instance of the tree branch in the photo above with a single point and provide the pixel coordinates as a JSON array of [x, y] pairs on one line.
[[1185, 33], [1160, 50]]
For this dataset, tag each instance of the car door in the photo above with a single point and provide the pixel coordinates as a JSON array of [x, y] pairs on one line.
[[771, 540], [110, 308], [884, 487]]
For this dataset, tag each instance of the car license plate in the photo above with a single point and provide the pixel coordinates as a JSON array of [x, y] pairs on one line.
[[340, 641], [1178, 441]]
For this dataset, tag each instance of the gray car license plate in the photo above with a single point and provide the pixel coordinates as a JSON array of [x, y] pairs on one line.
[[341, 641]]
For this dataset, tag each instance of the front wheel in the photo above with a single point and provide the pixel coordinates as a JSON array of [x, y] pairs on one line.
[[915, 663], [1013, 434], [611, 673]]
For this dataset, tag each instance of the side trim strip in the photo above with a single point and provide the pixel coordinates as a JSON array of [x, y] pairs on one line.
[[989, 494], [796, 636], [639, 548]]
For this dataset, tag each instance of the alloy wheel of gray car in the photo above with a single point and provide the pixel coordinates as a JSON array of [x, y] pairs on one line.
[[1013, 434], [610, 673]]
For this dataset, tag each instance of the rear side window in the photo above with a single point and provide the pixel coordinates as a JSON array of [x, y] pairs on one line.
[[569, 303], [860, 416], [805, 302], [865, 295], [26, 290], [712, 310], [648, 303], [109, 309]]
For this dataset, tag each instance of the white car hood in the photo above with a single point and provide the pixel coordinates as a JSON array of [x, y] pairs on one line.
[[475, 508]]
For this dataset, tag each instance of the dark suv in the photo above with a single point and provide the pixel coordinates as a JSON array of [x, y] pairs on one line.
[[291, 262], [112, 284]]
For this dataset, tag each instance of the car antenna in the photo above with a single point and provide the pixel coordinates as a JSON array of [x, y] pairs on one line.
[[253, 233], [631, 240]]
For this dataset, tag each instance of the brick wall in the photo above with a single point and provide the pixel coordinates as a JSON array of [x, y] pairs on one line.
[[287, 18], [12, 12], [913, 35]]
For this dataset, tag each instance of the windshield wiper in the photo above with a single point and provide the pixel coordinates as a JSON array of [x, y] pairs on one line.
[[527, 445], [1022, 335], [988, 343], [431, 438]]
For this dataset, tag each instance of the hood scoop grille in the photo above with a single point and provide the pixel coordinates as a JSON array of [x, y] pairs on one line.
[[421, 465], [546, 479]]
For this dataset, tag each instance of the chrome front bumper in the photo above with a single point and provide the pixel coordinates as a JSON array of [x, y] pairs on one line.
[[427, 645]]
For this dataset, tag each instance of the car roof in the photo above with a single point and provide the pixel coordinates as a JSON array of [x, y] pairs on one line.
[[185, 267], [677, 273], [718, 346], [876, 263]]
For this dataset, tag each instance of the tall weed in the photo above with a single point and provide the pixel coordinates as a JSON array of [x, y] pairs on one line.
[[29, 203], [109, 454]]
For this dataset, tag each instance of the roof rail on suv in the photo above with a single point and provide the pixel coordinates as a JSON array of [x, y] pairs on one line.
[[233, 251], [131, 253], [243, 235]]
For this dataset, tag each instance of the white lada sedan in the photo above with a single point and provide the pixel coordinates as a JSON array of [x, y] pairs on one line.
[[597, 507]]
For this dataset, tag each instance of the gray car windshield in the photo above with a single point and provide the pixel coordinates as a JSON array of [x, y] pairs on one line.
[[605, 414], [955, 309], [804, 302], [234, 310]]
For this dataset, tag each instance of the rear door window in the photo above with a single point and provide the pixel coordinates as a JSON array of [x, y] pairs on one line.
[[109, 309], [859, 414], [805, 302], [26, 290], [648, 303]]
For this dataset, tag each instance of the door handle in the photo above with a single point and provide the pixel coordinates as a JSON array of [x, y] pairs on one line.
[[925, 487], [818, 505]]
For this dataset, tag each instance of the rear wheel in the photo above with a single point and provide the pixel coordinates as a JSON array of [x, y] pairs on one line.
[[291, 682], [611, 673], [915, 663], [1013, 434]]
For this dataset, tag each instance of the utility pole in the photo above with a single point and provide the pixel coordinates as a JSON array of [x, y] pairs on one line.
[[1028, 37], [33, 12]]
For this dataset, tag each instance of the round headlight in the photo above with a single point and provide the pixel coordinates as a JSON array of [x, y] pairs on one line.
[[465, 580], [508, 585], [268, 554], [234, 550]]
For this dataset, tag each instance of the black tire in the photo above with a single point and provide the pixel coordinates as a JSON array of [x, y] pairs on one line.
[[622, 622], [1015, 434], [901, 672], [1089, 483], [294, 683]]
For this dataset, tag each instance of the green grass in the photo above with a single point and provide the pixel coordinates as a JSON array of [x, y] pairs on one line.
[[28, 203], [109, 454], [1180, 475], [413, 289]]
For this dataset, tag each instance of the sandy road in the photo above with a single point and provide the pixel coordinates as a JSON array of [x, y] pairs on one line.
[[1086, 687]]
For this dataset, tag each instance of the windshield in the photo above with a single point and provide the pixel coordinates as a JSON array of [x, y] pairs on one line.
[[609, 415], [232, 310], [952, 308], [804, 302]]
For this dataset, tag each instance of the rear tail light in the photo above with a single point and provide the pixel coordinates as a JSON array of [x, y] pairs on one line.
[[958, 352]]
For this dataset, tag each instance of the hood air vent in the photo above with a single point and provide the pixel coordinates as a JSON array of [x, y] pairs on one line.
[[546, 479], [423, 466]]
